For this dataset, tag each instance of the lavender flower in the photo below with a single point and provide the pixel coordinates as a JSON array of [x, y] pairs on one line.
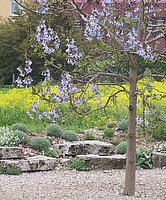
[[93, 29], [44, 7], [132, 42], [139, 120], [24, 78], [72, 52], [146, 112], [19, 82], [146, 122], [95, 90], [46, 74], [47, 38]]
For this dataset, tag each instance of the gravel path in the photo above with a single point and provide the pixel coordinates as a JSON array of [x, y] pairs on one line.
[[73, 185]]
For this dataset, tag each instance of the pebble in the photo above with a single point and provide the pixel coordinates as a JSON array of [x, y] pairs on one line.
[[74, 185]]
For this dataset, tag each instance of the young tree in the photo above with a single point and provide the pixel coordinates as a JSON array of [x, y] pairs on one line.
[[120, 29]]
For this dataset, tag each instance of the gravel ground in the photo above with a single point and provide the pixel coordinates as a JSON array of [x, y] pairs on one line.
[[73, 185]]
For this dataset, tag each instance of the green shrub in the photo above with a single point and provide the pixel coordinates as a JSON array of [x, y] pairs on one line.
[[78, 164], [108, 133], [50, 152], [163, 147], [89, 136], [123, 125], [121, 148], [159, 133], [40, 143], [7, 137], [54, 130], [70, 136], [10, 170], [22, 137], [20, 127], [144, 159]]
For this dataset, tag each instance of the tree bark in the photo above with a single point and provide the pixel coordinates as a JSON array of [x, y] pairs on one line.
[[131, 139]]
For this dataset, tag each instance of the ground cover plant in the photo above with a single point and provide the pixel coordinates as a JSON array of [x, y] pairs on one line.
[[10, 170]]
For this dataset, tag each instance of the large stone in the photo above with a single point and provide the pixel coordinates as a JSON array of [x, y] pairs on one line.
[[159, 160], [32, 164], [86, 147], [104, 162], [11, 153]]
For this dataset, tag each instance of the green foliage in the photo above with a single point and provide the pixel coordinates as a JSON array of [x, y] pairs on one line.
[[144, 159], [70, 135], [121, 148], [89, 136], [54, 130], [108, 133], [20, 127], [40, 143], [11, 116], [159, 132], [22, 137], [123, 125], [78, 164], [50, 152], [163, 147], [12, 34], [10, 170]]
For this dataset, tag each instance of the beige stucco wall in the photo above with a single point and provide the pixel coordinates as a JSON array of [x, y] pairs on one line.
[[4, 8]]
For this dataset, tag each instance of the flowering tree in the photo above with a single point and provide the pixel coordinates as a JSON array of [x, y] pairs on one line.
[[123, 28]]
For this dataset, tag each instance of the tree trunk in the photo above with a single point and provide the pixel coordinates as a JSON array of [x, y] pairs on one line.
[[131, 139]]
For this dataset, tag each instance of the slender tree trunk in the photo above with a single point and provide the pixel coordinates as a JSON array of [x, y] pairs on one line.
[[131, 139]]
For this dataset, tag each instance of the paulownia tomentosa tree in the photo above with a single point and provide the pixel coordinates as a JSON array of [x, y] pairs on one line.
[[120, 29]]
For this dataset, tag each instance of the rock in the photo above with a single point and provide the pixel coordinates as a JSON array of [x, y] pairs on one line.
[[11, 153], [159, 159], [31, 164], [104, 162], [85, 147]]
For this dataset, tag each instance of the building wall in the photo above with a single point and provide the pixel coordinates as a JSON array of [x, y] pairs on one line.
[[4, 8]]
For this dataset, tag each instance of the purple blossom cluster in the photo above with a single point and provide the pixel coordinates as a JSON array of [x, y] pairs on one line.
[[65, 89], [132, 41], [95, 90], [72, 52], [24, 79], [140, 120], [46, 74], [44, 6], [146, 52], [93, 28], [47, 38], [52, 115]]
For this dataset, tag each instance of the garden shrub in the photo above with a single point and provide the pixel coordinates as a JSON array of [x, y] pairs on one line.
[[7, 137], [22, 137], [19, 126], [123, 125], [70, 135], [50, 152], [40, 143], [121, 148], [159, 133], [54, 130], [163, 147], [78, 164], [89, 136], [144, 159], [108, 133], [10, 170]]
